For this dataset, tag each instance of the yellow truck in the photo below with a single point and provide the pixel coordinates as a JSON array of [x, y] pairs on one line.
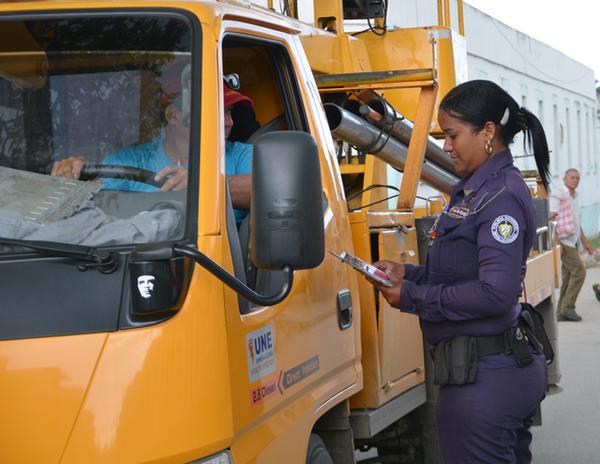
[[144, 325]]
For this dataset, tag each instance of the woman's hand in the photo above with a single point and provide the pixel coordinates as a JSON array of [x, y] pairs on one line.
[[395, 273]]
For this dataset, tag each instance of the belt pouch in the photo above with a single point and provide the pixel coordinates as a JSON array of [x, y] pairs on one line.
[[456, 361], [534, 325], [441, 372]]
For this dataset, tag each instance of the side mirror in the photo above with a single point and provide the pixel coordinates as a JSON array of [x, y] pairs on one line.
[[286, 222]]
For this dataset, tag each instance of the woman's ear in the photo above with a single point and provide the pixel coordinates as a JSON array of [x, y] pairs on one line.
[[489, 130]]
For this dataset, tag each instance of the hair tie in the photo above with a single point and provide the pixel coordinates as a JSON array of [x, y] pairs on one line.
[[505, 117], [522, 118]]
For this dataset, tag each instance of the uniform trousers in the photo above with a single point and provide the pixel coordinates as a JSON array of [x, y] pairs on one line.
[[573, 275], [488, 422]]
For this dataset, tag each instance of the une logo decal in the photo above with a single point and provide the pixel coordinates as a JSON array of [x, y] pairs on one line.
[[145, 285], [262, 343], [260, 351]]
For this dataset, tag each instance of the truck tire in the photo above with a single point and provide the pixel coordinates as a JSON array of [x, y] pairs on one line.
[[317, 452]]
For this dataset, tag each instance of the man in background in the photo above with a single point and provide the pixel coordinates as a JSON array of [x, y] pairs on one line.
[[565, 209]]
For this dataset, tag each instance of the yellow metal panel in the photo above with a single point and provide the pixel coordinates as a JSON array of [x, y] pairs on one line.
[[539, 280], [390, 219], [367, 397], [42, 385], [212, 142], [352, 168], [401, 341], [336, 54], [557, 265], [393, 360], [161, 393], [329, 15]]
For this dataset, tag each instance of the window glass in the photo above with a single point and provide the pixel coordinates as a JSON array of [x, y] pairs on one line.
[[91, 109]]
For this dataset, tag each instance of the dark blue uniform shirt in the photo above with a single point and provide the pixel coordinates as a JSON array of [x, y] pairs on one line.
[[476, 263]]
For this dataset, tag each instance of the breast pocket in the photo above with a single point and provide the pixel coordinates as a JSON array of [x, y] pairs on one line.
[[446, 253], [442, 258]]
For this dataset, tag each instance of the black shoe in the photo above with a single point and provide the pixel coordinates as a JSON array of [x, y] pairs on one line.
[[553, 389], [596, 288], [572, 317]]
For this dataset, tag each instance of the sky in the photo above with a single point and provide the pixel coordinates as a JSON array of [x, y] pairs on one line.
[[572, 27]]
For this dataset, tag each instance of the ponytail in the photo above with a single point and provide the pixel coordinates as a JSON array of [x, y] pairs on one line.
[[535, 140]]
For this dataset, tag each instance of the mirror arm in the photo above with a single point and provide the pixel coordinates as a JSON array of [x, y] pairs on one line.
[[233, 282]]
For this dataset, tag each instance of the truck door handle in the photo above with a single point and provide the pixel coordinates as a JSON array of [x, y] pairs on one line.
[[344, 306]]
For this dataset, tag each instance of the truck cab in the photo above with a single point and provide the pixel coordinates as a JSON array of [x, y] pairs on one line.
[[90, 370]]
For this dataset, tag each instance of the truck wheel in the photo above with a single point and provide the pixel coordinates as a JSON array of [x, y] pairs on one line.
[[317, 453]]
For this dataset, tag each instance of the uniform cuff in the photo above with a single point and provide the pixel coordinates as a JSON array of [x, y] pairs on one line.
[[406, 301]]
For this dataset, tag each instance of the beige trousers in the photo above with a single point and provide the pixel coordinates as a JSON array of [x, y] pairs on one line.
[[573, 275]]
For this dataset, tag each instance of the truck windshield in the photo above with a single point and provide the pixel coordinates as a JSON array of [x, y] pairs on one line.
[[94, 129]]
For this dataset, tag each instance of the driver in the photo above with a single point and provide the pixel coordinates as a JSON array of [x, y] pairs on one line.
[[168, 155]]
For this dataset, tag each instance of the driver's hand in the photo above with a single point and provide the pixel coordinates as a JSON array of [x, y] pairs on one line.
[[69, 167], [177, 181]]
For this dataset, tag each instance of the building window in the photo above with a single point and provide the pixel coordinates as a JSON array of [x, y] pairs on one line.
[[524, 93], [567, 137], [592, 139], [587, 140], [579, 139], [556, 137]]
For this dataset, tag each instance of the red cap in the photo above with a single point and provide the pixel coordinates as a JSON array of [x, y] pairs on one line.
[[231, 97]]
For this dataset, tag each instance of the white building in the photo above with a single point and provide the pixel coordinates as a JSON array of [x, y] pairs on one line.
[[558, 89]]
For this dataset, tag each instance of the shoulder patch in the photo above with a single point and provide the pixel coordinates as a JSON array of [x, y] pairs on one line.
[[505, 229]]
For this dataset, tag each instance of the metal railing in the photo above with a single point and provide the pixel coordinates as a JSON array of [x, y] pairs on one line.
[[544, 238]]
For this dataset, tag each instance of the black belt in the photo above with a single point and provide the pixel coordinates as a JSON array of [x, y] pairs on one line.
[[514, 342], [493, 344]]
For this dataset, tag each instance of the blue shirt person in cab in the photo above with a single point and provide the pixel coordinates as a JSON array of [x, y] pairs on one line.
[[473, 277], [152, 157], [168, 156]]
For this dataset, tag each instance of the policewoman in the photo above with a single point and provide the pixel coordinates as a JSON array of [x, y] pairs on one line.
[[491, 377]]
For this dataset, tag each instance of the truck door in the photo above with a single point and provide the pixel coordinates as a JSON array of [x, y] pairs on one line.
[[289, 360]]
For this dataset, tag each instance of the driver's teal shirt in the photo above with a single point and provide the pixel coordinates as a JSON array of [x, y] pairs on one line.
[[152, 157]]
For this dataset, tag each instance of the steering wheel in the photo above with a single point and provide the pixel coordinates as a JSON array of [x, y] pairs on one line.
[[115, 171]]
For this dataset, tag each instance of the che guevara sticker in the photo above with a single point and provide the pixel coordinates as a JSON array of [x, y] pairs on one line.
[[260, 352]]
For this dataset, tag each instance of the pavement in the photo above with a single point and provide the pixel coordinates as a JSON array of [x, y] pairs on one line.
[[570, 431]]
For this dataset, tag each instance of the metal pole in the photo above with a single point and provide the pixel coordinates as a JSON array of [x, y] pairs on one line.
[[365, 136], [385, 116]]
